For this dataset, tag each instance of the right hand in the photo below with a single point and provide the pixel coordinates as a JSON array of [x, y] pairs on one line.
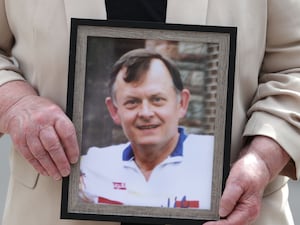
[[260, 162], [43, 134]]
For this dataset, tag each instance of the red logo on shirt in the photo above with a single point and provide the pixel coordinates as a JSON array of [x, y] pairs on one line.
[[102, 200], [187, 204], [184, 203], [119, 186]]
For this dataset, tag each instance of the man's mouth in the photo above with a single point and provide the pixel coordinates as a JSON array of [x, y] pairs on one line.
[[147, 127]]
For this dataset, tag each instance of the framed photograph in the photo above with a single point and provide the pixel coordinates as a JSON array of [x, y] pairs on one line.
[[152, 107]]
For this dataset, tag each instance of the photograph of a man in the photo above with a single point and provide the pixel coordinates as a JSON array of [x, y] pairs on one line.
[[161, 165]]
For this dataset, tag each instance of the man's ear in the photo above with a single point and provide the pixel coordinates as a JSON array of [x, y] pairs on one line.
[[184, 102], [113, 110]]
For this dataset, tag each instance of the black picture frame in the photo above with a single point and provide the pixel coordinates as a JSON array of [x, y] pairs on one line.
[[98, 39]]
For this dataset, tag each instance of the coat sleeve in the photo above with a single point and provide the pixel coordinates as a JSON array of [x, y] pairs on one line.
[[8, 64], [275, 110]]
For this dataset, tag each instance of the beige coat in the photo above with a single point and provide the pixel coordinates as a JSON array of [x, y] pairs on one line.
[[267, 83]]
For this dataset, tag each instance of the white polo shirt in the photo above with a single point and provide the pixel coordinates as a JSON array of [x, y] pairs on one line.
[[111, 176]]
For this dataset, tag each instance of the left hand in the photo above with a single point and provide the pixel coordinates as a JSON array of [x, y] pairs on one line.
[[261, 161], [39, 129]]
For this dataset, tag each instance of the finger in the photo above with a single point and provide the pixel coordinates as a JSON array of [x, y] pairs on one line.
[[19, 140], [25, 152], [240, 216], [234, 219], [42, 156], [52, 145], [231, 221], [230, 198], [68, 137], [245, 211]]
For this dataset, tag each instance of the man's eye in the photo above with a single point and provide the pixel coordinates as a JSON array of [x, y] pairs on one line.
[[158, 100], [131, 103]]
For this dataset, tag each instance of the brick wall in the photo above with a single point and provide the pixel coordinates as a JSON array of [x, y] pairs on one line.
[[198, 65]]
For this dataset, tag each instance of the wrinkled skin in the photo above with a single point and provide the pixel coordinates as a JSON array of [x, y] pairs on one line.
[[39, 129], [249, 176]]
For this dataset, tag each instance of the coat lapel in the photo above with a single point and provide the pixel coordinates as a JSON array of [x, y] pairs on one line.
[[187, 12], [91, 9]]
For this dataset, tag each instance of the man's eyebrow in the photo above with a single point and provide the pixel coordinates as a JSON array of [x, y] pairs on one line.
[[159, 94], [130, 97]]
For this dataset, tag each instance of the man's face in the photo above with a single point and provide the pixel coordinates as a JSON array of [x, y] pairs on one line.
[[149, 109]]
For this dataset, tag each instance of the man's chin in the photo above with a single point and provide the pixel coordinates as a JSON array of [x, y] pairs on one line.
[[147, 143]]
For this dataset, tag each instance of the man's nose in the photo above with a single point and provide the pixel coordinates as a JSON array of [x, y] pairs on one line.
[[146, 110]]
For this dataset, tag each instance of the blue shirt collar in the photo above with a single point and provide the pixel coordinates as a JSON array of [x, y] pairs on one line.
[[178, 151]]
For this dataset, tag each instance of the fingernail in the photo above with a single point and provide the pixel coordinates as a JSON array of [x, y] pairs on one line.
[[74, 160], [222, 212], [65, 172], [44, 173], [57, 177]]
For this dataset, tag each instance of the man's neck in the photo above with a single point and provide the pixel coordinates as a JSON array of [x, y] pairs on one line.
[[148, 157]]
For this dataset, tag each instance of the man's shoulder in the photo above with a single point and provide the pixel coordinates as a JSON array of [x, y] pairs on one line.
[[107, 149], [105, 153], [198, 144], [102, 158], [197, 138]]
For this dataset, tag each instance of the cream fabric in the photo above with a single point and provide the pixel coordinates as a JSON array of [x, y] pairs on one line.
[[40, 50]]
